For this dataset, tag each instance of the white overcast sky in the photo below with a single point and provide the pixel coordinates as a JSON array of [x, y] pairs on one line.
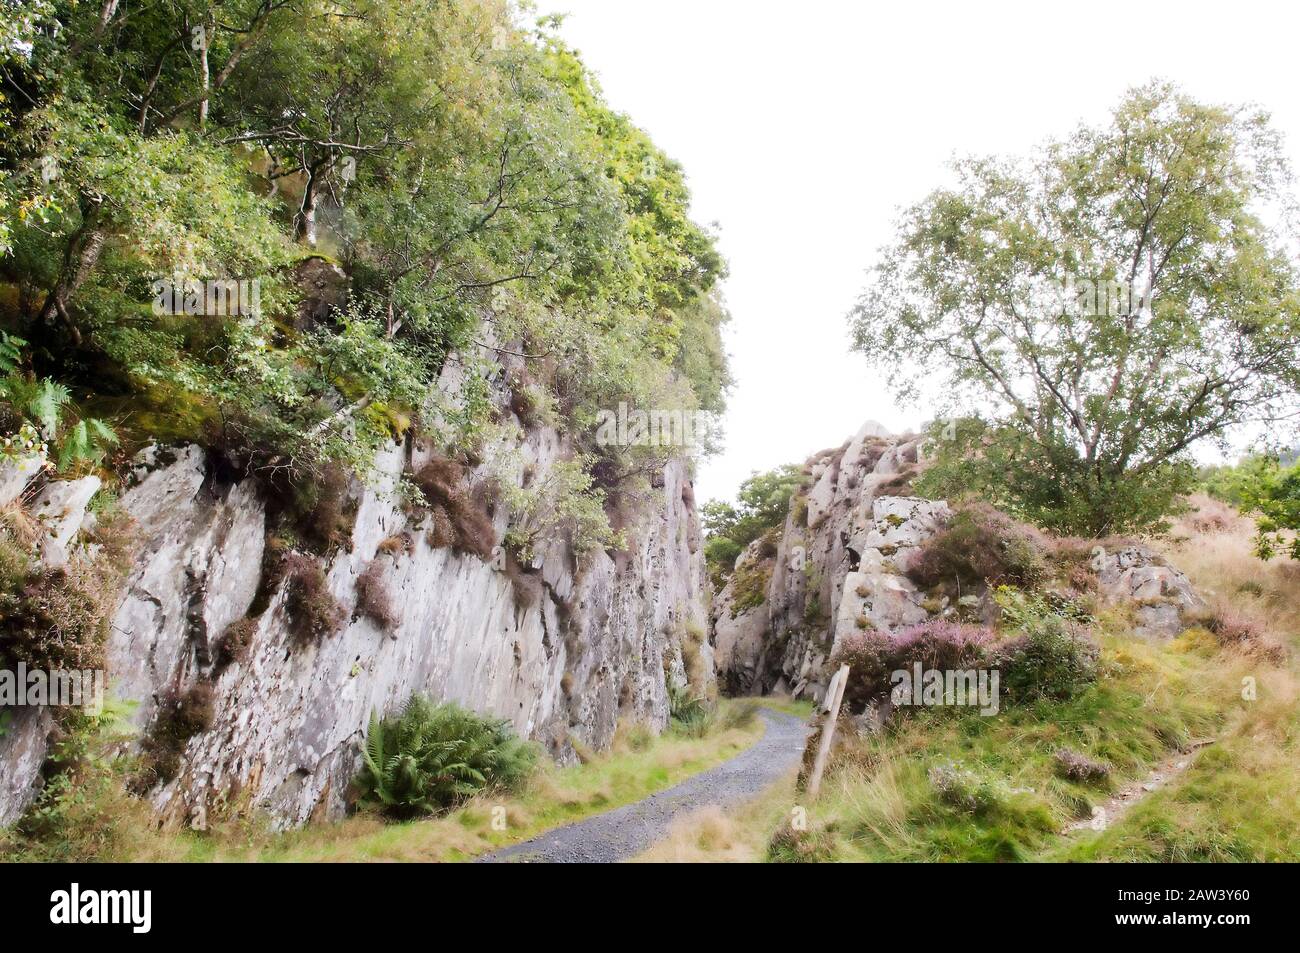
[[804, 127]]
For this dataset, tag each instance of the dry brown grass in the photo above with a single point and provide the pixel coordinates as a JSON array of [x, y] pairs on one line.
[[1215, 547]]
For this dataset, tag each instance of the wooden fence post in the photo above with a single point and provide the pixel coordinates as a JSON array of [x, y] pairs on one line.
[[834, 696]]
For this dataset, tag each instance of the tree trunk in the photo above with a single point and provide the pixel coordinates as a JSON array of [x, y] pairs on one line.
[[79, 260], [307, 212], [206, 73]]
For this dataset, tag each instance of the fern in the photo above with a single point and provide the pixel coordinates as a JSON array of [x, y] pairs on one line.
[[87, 442], [432, 757], [46, 405], [11, 353]]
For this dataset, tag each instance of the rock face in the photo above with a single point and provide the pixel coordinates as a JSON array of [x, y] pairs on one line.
[[563, 651], [839, 557], [839, 565], [1161, 595]]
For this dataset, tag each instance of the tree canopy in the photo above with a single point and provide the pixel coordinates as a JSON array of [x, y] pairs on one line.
[[1104, 306], [456, 162]]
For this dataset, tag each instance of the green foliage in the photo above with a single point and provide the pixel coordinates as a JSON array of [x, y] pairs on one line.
[[762, 504], [464, 172], [1112, 304], [979, 545], [78, 813], [749, 586], [1262, 486], [1053, 656], [692, 715], [790, 845], [59, 618], [433, 757], [562, 499], [34, 411], [1048, 484]]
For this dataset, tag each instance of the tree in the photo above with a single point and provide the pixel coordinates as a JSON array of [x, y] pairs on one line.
[[1108, 306], [459, 168], [761, 504], [1265, 487]]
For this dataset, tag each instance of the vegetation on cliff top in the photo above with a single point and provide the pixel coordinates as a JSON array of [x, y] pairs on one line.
[[460, 167]]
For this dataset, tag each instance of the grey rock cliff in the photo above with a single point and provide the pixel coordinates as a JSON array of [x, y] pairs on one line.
[[840, 563], [565, 656]]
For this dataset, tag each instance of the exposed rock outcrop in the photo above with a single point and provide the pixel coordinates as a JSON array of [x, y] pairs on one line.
[[562, 649], [840, 564], [1160, 594]]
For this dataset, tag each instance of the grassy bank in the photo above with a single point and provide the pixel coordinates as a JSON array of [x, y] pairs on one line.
[[950, 785], [1237, 801], [110, 826]]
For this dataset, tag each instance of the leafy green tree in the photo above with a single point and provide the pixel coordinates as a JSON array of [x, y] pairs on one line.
[[1108, 306], [762, 503], [1262, 486], [462, 169]]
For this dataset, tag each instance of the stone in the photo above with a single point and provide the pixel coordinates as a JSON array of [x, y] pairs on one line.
[[1162, 596], [61, 510], [16, 473], [290, 718]]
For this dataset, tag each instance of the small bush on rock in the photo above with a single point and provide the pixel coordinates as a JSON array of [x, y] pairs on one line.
[[314, 614], [373, 598], [456, 520], [980, 545], [433, 757], [180, 717], [235, 642]]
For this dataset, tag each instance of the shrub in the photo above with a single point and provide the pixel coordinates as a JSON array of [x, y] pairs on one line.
[[396, 545], [441, 533], [82, 812], [789, 845], [691, 715], [181, 716], [433, 757], [1232, 629], [749, 585], [55, 619], [314, 614], [1052, 657], [442, 482], [980, 545], [872, 656], [373, 598], [966, 791], [235, 642], [327, 516], [1077, 767], [740, 714]]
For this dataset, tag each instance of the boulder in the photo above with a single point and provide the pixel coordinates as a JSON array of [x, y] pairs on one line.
[[16, 473], [61, 510], [1160, 594]]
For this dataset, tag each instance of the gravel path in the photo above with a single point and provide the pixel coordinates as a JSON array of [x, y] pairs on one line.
[[627, 831]]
